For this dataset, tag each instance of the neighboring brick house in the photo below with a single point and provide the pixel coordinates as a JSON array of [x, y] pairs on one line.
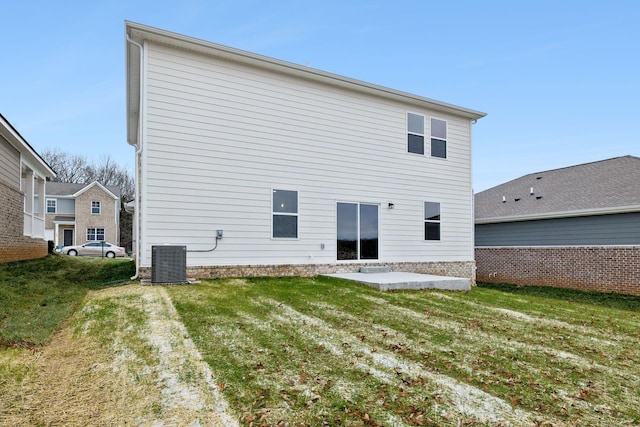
[[23, 176], [575, 227], [79, 213]]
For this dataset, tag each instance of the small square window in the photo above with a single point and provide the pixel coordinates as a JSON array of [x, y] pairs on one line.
[[416, 144], [52, 205], [95, 208], [438, 148]]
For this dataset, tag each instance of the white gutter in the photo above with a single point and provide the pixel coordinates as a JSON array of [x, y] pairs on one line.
[[138, 252]]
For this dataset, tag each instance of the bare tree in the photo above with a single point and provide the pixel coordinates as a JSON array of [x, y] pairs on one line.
[[77, 170], [108, 172], [68, 168]]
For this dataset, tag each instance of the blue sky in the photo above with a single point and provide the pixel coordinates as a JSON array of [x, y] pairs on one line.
[[560, 80]]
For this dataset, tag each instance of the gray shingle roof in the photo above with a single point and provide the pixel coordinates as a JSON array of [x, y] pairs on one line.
[[68, 189], [604, 186]]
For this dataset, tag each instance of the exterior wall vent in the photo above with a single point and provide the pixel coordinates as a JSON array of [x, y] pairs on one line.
[[168, 264]]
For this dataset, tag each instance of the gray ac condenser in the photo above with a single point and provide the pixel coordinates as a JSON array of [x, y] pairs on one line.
[[168, 264]]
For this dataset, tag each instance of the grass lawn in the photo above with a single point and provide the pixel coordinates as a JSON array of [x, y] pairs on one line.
[[307, 351], [328, 352], [36, 296]]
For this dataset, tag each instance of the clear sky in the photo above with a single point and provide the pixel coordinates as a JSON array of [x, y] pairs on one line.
[[560, 80]]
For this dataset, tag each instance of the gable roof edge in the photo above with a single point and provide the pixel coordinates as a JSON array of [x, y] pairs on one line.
[[93, 184], [563, 214], [139, 33]]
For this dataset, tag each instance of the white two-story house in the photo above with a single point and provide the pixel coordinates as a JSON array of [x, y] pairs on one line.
[[264, 167]]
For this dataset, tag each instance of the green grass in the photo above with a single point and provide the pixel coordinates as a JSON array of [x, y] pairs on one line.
[[36, 296], [314, 351]]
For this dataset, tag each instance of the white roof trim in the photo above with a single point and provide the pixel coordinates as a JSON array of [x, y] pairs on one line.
[[28, 155], [565, 214], [142, 33], [93, 184]]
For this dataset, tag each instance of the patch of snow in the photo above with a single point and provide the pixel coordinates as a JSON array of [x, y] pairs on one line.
[[467, 399]]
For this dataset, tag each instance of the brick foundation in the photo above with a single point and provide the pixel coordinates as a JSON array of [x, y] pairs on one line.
[[588, 268], [454, 269], [14, 246]]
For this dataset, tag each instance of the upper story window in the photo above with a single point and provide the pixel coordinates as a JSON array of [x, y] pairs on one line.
[[95, 208], [431, 221], [285, 214], [438, 138], [415, 133], [52, 205]]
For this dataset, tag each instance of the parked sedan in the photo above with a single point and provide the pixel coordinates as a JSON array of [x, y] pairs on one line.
[[94, 249]]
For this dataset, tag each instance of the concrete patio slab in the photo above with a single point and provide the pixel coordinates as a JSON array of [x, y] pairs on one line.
[[399, 280]]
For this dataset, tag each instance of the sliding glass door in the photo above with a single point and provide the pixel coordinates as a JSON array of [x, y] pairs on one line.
[[357, 231]]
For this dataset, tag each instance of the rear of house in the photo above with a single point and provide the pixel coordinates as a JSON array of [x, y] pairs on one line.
[[575, 227], [23, 176], [263, 167]]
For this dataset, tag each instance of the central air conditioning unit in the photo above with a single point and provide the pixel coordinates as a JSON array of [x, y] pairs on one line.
[[168, 264]]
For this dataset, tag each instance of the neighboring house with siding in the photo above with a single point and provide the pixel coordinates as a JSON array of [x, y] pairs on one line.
[[80, 213], [303, 171], [23, 176], [576, 227]]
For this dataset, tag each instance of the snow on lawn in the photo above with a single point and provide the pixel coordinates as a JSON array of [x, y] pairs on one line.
[[465, 399]]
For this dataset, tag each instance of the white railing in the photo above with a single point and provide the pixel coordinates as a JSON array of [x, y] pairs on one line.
[[38, 228], [27, 224], [33, 226]]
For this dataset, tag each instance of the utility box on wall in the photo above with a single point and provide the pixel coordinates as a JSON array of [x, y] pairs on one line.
[[168, 264]]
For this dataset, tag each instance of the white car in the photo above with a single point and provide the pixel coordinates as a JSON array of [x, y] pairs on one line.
[[100, 249]]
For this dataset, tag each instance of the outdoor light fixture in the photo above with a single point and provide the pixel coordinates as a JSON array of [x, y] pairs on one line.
[[391, 205]]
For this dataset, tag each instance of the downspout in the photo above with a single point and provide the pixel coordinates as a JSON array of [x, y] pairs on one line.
[[137, 191]]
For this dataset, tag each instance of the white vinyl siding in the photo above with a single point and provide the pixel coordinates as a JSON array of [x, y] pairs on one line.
[[9, 164], [66, 206], [220, 136]]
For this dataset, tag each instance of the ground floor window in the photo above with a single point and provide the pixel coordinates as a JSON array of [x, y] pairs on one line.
[[285, 214], [357, 234], [95, 234], [431, 221]]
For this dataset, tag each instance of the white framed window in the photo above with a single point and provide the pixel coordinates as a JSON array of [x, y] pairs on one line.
[[432, 221], [95, 207], [284, 213], [95, 233], [52, 205], [415, 133], [438, 138]]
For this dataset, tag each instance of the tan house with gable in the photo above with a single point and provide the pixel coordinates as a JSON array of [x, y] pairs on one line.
[[80, 213]]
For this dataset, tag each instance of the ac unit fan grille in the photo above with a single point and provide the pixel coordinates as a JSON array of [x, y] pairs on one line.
[[168, 264]]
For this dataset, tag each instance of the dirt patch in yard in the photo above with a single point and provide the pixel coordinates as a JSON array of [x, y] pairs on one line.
[[124, 359]]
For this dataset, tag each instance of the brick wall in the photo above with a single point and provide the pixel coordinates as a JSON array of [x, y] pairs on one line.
[[589, 268], [14, 246], [106, 219], [455, 269]]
